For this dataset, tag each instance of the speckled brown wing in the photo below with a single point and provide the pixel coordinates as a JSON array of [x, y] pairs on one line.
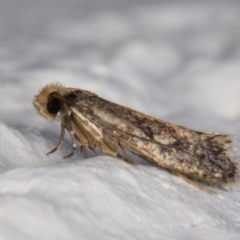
[[201, 156]]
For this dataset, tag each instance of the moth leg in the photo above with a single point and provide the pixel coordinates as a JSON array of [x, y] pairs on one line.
[[119, 156], [92, 149], [191, 182], [74, 145], [61, 139], [83, 150], [126, 157], [68, 126]]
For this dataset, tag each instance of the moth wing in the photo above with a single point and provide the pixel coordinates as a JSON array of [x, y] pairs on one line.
[[92, 134]]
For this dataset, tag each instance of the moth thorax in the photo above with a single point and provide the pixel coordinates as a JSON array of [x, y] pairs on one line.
[[53, 103]]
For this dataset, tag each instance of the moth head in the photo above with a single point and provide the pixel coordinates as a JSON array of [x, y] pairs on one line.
[[46, 101]]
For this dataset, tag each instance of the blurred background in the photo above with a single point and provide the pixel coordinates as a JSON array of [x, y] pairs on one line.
[[177, 59]]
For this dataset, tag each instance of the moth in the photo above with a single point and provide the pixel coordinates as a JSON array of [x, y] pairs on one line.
[[96, 123]]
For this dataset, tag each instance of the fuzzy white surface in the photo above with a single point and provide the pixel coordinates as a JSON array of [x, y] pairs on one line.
[[178, 61]]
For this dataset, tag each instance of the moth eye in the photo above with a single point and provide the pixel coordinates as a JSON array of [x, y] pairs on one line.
[[53, 105]]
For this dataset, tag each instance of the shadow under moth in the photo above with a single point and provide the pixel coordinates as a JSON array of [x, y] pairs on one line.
[[114, 129]]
